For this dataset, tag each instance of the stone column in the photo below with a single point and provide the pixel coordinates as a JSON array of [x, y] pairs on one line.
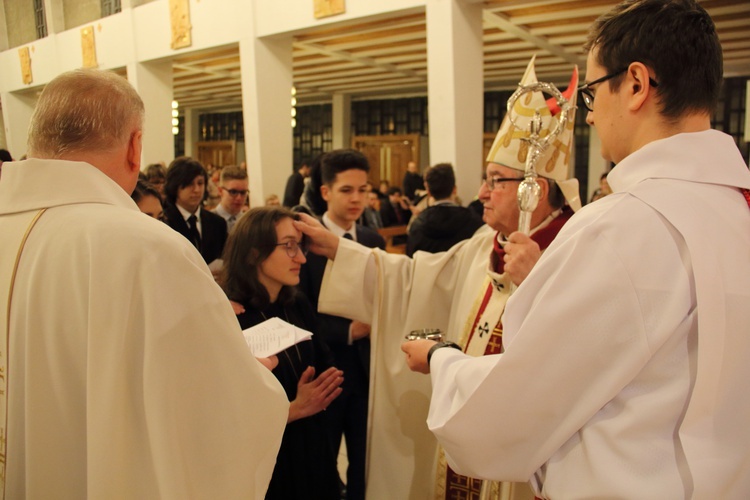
[[266, 68], [455, 92], [153, 81]]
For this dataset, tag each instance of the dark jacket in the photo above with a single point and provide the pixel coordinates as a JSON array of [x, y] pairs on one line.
[[295, 186], [439, 227], [412, 182], [213, 231]]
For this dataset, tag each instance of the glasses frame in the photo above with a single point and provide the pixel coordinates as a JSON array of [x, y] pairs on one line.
[[293, 247], [588, 96], [234, 193], [493, 182]]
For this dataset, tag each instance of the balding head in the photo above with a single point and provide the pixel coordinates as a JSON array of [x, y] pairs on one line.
[[84, 111]]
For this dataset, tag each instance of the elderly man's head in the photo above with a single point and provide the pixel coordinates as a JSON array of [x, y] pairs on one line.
[[94, 116]]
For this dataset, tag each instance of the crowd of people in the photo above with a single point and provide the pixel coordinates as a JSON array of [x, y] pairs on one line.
[[600, 355]]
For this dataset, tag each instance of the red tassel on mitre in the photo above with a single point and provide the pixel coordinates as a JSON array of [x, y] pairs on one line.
[[568, 93]]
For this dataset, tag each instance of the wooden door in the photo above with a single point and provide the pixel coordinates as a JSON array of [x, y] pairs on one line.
[[218, 153], [388, 155]]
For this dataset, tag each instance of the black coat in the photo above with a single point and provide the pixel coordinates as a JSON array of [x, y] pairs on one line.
[[295, 186], [439, 227], [306, 463], [213, 231]]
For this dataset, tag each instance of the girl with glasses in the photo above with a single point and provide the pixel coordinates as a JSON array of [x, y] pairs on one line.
[[262, 262]]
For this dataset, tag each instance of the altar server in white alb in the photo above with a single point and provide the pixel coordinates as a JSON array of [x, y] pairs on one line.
[[124, 372], [461, 291], [625, 369]]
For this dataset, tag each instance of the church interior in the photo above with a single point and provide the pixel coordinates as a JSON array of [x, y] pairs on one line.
[[269, 83]]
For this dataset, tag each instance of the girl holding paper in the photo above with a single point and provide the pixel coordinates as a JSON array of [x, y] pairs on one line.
[[262, 261]]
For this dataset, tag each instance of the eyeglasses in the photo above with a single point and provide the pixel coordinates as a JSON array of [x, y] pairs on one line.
[[236, 192], [588, 95], [294, 247], [493, 182]]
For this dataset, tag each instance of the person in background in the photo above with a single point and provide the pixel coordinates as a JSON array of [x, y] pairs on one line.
[[233, 188], [148, 200], [185, 190], [371, 215], [311, 197], [156, 175], [263, 259], [272, 200], [603, 189], [295, 185], [396, 211], [444, 223], [126, 375], [383, 188], [413, 181]]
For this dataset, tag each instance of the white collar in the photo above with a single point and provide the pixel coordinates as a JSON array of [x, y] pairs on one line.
[[186, 215], [338, 230]]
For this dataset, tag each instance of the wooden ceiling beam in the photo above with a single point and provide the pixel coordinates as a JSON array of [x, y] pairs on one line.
[[364, 61], [503, 22]]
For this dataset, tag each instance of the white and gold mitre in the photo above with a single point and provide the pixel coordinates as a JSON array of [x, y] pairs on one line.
[[510, 151]]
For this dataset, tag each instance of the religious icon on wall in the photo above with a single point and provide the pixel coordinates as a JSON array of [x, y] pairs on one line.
[[88, 47], [25, 58], [325, 8], [179, 19]]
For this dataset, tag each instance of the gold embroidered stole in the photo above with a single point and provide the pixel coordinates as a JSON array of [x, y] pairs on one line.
[[482, 334], [15, 235]]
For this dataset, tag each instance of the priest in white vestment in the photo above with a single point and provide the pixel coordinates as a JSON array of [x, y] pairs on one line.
[[461, 291], [124, 371], [625, 368]]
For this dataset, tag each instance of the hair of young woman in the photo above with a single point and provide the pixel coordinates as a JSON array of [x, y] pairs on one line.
[[250, 243], [143, 189]]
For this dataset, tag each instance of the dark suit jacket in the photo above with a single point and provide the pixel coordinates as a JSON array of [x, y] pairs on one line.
[[389, 217], [295, 186], [334, 330], [213, 231]]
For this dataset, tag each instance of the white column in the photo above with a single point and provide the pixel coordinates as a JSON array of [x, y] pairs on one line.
[[153, 81], [17, 110], [266, 68], [54, 15], [4, 43], [342, 121], [455, 92]]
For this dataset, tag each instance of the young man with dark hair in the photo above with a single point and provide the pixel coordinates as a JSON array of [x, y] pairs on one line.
[[344, 176], [185, 190], [444, 223], [625, 370]]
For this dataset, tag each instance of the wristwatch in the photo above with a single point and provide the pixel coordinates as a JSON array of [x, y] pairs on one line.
[[440, 345]]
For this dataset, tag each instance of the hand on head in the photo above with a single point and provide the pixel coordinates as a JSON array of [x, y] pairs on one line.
[[320, 240]]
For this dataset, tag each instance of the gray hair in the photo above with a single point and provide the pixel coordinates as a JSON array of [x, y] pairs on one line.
[[84, 110]]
